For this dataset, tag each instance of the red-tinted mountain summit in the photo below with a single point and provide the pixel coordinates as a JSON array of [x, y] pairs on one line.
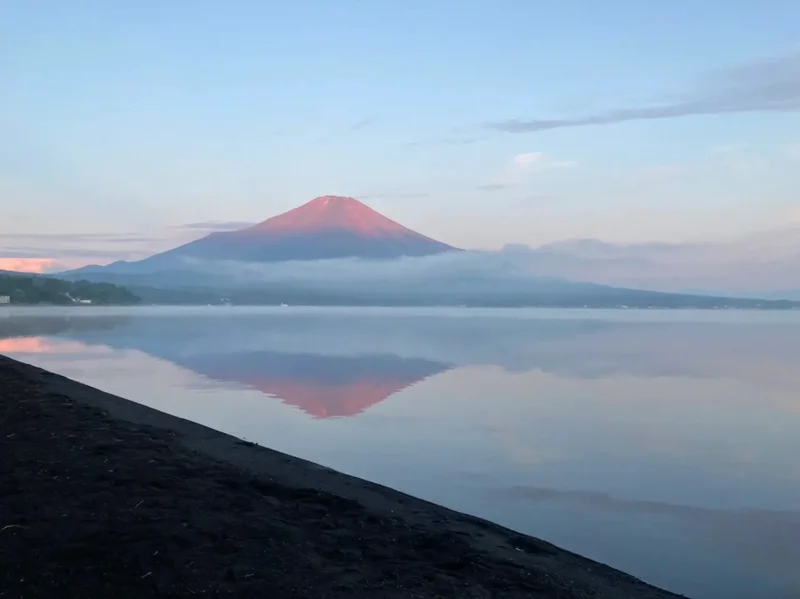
[[326, 227], [333, 212]]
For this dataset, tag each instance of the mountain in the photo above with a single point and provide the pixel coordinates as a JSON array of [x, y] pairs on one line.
[[425, 281], [788, 294], [325, 228], [337, 251], [750, 266]]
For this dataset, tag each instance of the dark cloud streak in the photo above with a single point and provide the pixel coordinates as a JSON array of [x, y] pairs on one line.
[[77, 237], [45, 252], [78, 245], [362, 124], [394, 196], [217, 225]]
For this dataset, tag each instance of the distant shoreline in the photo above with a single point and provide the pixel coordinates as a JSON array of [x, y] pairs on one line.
[[72, 305], [767, 308], [106, 494]]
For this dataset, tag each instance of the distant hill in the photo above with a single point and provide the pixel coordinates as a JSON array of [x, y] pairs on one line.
[[765, 264], [789, 294], [478, 293], [20, 288], [415, 285]]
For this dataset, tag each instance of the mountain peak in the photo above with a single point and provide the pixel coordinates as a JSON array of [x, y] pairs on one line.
[[327, 227], [331, 212]]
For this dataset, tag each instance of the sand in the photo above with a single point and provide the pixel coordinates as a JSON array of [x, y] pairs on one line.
[[103, 497]]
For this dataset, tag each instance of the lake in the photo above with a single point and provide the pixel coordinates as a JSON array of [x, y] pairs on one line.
[[663, 443]]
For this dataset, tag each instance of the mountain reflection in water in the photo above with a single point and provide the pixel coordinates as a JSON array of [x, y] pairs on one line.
[[298, 356], [321, 386], [663, 444]]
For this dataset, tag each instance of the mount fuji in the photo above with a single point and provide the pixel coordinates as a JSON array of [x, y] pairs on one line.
[[335, 250], [327, 227]]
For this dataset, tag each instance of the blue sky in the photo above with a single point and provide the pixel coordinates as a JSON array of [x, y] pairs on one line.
[[476, 122]]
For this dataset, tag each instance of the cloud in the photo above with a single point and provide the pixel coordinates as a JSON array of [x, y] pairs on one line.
[[37, 265], [35, 252], [494, 186], [84, 243], [522, 166], [77, 238], [765, 86], [217, 225], [362, 124], [432, 269], [48, 258], [32, 265], [79, 248], [394, 196]]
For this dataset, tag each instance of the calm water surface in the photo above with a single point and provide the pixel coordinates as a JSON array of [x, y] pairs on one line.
[[666, 444]]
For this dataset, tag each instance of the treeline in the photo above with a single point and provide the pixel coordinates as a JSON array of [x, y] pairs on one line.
[[21, 289], [591, 297]]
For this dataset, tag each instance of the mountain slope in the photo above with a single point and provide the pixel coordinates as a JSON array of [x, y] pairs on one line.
[[325, 228], [753, 265]]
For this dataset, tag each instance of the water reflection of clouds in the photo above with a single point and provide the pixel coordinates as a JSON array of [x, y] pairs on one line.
[[768, 536], [607, 432], [41, 345], [705, 402], [677, 427], [598, 347], [524, 451]]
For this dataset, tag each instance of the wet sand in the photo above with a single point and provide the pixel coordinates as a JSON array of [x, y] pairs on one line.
[[103, 497]]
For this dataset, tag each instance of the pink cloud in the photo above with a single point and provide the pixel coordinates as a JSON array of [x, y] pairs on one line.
[[42, 265], [33, 265]]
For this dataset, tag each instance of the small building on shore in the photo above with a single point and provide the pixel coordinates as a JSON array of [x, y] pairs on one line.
[[5, 299]]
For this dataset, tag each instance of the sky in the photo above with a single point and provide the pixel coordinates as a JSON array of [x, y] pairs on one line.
[[130, 127]]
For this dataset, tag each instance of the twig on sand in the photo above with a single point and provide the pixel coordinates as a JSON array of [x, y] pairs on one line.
[[10, 526]]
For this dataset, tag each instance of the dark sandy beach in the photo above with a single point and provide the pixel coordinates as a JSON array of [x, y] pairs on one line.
[[103, 497]]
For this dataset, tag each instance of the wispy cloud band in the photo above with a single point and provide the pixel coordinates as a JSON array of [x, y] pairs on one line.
[[766, 86], [394, 196]]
